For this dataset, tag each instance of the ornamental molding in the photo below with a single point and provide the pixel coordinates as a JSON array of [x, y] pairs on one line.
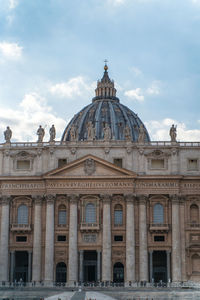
[[50, 198], [157, 153], [89, 166]]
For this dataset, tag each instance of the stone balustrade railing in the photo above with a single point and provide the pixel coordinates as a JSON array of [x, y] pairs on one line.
[[95, 142], [20, 227]]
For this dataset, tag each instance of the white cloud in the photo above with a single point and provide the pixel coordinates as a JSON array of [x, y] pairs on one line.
[[25, 120], [135, 94], [159, 131], [12, 4], [154, 89], [10, 50], [76, 86], [116, 2], [137, 72]]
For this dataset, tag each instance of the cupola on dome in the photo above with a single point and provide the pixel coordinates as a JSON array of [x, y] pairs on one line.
[[105, 118]]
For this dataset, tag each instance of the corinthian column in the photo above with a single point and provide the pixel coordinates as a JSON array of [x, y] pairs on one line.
[[176, 254], [143, 255], [106, 253], [130, 239], [73, 249], [49, 240], [37, 239], [4, 273]]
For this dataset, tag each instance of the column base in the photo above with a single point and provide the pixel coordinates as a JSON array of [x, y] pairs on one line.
[[72, 283], [48, 283]]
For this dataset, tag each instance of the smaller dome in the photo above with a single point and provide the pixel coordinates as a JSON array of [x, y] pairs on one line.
[[105, 118]]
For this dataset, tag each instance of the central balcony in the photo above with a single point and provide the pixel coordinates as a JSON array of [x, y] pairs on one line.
[[92, 227], [159, 227], [20, 227]]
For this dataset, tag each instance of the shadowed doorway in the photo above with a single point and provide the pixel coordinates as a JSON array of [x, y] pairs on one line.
[[90, 266], [159, 266]]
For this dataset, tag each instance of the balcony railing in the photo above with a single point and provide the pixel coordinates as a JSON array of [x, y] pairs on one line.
[[194, 225], [159, 227], [89, 226], [20, 227]]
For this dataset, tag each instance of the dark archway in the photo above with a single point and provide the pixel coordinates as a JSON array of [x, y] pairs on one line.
[[118, 272], [61, 272]]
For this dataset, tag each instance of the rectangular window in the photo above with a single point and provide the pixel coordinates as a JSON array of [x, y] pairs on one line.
[[62, 162], [21, 238], [159, 238], [157, 164], [118, 238], [23, 164], [62, 215], [61, 238], [192, 164], [117, 162], [118, 215]]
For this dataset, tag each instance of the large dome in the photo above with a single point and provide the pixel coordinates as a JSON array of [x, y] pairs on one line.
[[105, 118]]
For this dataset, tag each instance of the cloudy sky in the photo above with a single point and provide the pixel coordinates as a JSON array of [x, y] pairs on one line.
[[52, 53]]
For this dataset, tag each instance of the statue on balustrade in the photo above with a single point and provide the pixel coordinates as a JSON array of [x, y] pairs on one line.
[[107, 133], [40, 133], [173, 133], [8, 134], [52, 132], [141, 136]]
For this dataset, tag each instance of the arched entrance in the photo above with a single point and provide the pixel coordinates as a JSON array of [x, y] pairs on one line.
[[118, 272], [61, 272]]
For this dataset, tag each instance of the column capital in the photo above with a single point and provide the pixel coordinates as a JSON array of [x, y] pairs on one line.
[[5, 199], [182, 199], [37, 199], [142, 199], [106, 198], [50, 198], [130, 198], [175, 199], [73, 198]]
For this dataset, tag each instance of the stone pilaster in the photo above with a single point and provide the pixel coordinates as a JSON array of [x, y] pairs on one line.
[[151, 265], [37, 239], [4, 238], [182, 237], [49, 240], [73, 255], [106, 253], [98, 265], [168, 266], [143, 255], [130, 238], [176, 253], [29, 265], [81, 265], [12, 265]]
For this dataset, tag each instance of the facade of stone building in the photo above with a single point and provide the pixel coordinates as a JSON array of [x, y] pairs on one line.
[[103, 204]]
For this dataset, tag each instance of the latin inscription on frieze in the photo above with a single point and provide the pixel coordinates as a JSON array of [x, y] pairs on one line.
[[22, 186], [157, 184]]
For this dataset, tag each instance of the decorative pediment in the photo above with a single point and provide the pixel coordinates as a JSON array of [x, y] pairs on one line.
[[89, 166], [23, 155]]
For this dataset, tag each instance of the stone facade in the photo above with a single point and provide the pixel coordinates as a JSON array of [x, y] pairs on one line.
[[99, 210]]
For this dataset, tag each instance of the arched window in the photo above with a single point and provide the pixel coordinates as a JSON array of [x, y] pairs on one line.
[[61, 272], [22, 214], [158, 214], [90, 213], [195, 263], [118, 215], [194, 214], [118, 272], [62, 215]]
